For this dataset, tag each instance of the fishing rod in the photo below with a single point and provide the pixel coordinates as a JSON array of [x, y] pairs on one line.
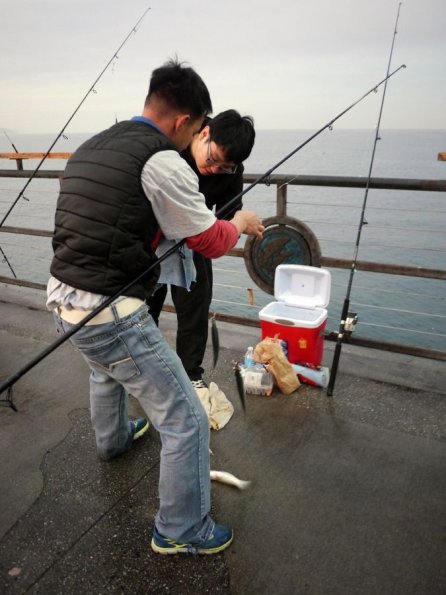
[[91, 89], [13, 379], [349, 319]]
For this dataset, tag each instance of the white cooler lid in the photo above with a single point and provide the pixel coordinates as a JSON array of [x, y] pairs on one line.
[[302, 286]]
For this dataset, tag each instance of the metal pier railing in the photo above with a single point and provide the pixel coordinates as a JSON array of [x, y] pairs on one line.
[[283, 204]]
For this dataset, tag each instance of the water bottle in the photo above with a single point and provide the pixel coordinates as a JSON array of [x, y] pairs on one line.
[[249, 357]]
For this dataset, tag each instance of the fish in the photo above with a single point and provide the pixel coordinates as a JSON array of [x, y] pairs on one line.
[[240, 386], [215, 341], [230, 479]]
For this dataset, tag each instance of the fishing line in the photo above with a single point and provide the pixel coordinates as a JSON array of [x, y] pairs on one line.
[[5, 258], [12, 144], [348, 320], [13, 379], [329, 125], [61, 133]]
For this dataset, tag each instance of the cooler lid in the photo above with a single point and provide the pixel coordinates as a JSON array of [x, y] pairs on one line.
[[302, 286]]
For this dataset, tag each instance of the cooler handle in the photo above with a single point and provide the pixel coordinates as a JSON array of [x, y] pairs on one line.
[[284, 322]]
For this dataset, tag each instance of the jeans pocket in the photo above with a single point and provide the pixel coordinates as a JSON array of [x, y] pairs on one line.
[[112, 357]]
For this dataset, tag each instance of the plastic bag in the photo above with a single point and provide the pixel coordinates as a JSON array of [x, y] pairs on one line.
[[270, 352]]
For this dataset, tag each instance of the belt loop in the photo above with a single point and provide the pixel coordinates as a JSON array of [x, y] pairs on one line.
[[115, 312]]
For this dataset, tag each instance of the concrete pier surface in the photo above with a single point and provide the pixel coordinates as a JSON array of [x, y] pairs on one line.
[[348, 493]]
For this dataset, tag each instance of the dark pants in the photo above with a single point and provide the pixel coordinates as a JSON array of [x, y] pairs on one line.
[[192, 308]]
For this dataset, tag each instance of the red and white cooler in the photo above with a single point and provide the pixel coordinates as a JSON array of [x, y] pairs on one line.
[[299, 315]]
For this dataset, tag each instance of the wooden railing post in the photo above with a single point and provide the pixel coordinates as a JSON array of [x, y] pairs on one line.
[[281, 198]]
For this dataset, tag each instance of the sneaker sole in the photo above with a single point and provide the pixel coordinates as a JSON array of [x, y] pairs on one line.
[[184, 549], [142, 431]]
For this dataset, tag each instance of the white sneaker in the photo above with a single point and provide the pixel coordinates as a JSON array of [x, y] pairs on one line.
[[199, 384]]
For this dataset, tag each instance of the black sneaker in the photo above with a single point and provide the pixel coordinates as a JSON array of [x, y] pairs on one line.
[[220, 539]]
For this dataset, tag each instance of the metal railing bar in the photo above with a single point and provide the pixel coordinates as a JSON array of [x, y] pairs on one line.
[[26, 173], [383, 326], [371, 225], [416, 313], [300, 180], [22, 283], [243, 288], [26, 231], [424, 296], [374, 325], [413, 248], [281, 181], [354, 206], [388, 269], [392, 347], [375, 267], [352, 182], [400, 310], [231, 271], [415, 294], [405, 329]]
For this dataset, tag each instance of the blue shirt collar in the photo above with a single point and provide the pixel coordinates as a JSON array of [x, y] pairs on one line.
[[146, 121]]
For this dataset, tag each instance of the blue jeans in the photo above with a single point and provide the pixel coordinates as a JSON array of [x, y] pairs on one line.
[[130, 355]]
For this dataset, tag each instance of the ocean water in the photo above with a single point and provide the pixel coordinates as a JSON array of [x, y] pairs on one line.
[[403, 227]]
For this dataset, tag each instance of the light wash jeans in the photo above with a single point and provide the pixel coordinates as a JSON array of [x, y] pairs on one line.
[[131, 356]]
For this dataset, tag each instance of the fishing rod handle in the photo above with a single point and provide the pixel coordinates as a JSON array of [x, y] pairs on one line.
[[338, 348], [334, 368]]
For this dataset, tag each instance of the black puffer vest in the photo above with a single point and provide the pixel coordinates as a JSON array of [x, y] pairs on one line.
[[104, 222]]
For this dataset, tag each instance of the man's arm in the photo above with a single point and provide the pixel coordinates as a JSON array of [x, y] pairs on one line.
[[172, 189], [223, 235], [215, 241]]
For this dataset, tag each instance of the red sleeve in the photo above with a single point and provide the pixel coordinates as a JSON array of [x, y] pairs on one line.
[[215, 241]]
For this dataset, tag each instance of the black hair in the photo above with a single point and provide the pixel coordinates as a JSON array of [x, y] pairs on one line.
[[181, 88], [234, 133]]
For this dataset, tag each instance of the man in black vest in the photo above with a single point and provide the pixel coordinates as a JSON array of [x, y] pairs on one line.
[[122, 190], [215, 154]]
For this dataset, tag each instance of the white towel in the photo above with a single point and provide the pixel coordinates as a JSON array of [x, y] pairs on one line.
[[217, 406]]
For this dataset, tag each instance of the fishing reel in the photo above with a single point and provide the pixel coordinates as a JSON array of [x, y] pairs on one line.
[[350, 323]]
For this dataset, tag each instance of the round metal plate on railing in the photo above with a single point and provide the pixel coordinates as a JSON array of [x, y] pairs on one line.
[[285, 241]]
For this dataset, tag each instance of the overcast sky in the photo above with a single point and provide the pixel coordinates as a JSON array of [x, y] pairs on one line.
[[289, 63]]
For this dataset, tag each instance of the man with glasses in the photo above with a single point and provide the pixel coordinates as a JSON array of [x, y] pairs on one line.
[[216, 155]]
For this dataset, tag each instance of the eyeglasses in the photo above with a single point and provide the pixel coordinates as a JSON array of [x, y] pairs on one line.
[[224, 168]]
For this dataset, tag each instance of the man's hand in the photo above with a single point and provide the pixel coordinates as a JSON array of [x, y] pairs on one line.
[[247, 222]]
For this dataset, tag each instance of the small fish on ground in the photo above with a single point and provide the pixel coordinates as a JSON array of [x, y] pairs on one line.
[[230, 479]]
